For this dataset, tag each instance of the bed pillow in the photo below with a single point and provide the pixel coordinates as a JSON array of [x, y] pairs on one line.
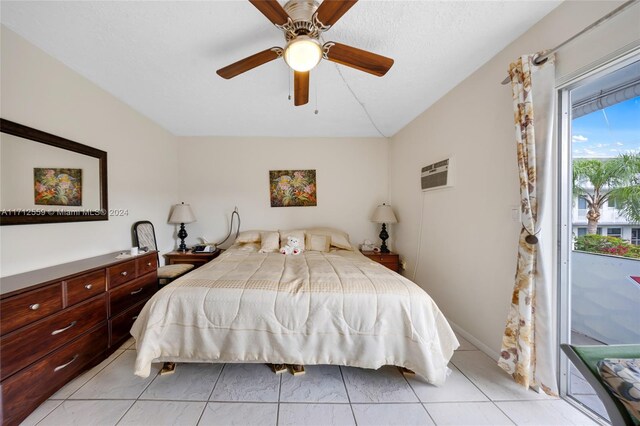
[[622, 377], [339, 239], [318, 242], [299, 234], [249, 237], [250, 247], [269, 241]]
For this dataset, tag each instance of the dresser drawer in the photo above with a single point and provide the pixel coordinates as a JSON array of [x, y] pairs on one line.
[[147, 264], [86, 286], [23, 392], [23, 309], [384, 258], [120, 274], [131, 293], [27, 345], [393, 265], [120, 325]]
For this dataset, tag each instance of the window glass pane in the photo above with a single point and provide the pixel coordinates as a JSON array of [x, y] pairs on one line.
[[582, 203], [611, 203], [614, 232], [582, 232], [635, 236], [599, 231]]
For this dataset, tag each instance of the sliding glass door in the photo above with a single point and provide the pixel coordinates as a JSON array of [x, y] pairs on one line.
[[599, 216]]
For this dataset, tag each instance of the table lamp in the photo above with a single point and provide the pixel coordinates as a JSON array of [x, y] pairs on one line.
[[384, 214], [182, 214]]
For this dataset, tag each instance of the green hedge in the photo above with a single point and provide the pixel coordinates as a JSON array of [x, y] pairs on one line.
[[607, 245]]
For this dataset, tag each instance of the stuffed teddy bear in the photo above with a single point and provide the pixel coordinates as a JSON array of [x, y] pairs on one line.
[[292, 247]]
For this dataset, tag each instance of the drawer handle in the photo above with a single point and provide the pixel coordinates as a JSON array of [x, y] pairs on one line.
[[60, 367], [88, 286], [34, 307], [136, 291], [135, 317], [53, 333], [148, 263], [123, 273]]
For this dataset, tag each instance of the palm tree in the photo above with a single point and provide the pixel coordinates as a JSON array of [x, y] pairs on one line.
[[598, 181]]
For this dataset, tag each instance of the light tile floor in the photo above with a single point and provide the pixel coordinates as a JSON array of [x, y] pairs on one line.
[[476, 393]]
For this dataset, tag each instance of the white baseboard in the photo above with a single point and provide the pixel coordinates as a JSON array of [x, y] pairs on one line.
[[475, 342]]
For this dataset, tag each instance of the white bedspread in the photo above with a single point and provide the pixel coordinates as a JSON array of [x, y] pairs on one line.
[[316, 308]]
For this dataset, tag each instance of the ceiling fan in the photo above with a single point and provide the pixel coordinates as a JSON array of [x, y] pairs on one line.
[[302, 22]]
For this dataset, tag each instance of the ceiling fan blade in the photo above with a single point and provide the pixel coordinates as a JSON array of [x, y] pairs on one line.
[[331, 10], [357, 58], [272, 10], [249, 63], [301, 88]]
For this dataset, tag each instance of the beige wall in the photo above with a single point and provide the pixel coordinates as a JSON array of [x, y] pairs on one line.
[[40, 92], [217, 174], [150, 169], [469, 240]]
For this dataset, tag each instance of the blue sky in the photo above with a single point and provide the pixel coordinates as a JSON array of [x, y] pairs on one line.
[[609, 132]]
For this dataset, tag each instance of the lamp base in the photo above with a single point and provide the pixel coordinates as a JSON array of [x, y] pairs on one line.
[[384, 236], [182, 234]]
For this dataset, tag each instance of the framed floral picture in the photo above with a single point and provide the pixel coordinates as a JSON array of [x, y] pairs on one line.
[[291, 188], [57, 187]]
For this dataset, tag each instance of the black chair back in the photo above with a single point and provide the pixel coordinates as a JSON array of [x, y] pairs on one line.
[[144, 235]]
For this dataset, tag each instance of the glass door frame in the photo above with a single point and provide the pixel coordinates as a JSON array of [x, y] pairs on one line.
[[564, 211]]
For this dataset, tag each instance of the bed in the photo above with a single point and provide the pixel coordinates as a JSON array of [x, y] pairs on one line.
[[331, 306]]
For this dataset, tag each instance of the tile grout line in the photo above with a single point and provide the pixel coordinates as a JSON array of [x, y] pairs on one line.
[[471, 381], [488, 397], [346, 389], [62, 401], [502, 411], [279, 394], [54, 408], [480, 381], [204, 408], [125, 412], [419, 400], [498, 399], [138, 397], [206, 403], [90, 378], [216, 382]]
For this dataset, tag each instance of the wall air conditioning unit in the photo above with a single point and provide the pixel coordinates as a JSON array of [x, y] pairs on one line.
[[437, 175]]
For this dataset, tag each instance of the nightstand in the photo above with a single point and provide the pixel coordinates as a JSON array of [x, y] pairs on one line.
[[390, 260], [195, 259]]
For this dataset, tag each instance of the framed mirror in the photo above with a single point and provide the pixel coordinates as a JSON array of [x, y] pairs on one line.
[[48, 179]]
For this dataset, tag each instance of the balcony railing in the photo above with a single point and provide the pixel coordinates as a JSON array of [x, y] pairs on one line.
[[605, 296]]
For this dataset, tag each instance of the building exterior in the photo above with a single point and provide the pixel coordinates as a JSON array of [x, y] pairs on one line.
[[612, 222]]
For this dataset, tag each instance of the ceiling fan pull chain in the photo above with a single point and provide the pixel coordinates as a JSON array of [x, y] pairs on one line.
[[315, 88], [290, 71]]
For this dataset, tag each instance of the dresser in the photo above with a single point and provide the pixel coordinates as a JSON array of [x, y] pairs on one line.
[[390, 260], [57, 322]]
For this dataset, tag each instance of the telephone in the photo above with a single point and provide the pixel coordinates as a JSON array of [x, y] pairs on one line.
[[204, 248]]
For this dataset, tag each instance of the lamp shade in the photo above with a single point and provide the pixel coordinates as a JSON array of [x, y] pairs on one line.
[[182, 214], [384, 214]]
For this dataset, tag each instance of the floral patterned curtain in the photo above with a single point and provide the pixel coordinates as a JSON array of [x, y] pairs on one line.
[[528, 345]]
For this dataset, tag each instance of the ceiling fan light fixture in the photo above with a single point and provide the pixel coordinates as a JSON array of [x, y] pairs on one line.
[[303, 53]]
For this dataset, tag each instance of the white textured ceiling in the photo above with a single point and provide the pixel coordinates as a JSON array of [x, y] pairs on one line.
[[161, 57]]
